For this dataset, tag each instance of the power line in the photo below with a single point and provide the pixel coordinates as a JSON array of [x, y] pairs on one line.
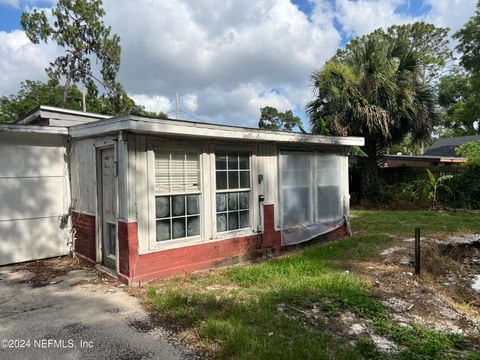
[[193, 116]]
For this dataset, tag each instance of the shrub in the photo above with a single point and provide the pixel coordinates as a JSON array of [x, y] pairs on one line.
[[467, 188]]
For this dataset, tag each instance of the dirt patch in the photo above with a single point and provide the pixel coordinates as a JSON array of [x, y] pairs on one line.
[[441, 298], [45, 271]]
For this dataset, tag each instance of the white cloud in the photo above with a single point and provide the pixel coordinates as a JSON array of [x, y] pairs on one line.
[[21, 60], [154, 103]]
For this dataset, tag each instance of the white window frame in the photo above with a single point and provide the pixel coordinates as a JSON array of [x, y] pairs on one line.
[[253, 209], [153, 244]]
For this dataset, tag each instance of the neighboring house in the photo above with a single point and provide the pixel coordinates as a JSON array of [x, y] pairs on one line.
[[421, 160], [149, 198], [445, 147]]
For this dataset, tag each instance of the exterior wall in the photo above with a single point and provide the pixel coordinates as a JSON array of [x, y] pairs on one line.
[[137, 268], [34, 193], [84, 231]]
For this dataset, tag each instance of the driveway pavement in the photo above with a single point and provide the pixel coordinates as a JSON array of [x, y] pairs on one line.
[[56, 311]]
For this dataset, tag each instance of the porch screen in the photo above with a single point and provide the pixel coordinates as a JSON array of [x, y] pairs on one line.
[[312, 198], [177, 195]]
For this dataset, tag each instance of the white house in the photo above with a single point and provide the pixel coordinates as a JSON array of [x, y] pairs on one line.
[[151, 197]]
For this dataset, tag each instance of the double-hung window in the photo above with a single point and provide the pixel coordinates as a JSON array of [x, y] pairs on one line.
[[233, 191], [177, 195]]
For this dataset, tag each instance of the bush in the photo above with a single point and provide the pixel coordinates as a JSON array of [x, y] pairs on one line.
[[467, 188]]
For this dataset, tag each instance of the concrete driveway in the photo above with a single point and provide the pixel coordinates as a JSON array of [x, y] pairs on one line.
[[57, 309]]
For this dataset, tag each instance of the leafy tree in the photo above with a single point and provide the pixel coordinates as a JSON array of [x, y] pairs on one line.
[[375, 89], [459, 93], [469, 43], [35, 93], [272, 119], [428, 42], [77, 26], [470, 150]]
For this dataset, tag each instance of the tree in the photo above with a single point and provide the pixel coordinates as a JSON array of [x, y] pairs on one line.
[[469, 43], [375, 90], [428, 42], [460, 103], [470, 150], [35, 93], [77, 26], [460, 91], [272, 119]]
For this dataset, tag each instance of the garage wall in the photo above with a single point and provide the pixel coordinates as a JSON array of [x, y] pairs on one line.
[[34, 193]]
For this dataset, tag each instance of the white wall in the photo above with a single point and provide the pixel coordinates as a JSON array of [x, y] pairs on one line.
[[34, 193]]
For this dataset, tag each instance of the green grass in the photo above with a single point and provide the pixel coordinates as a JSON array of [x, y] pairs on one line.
[[404, 222], [238, 317]]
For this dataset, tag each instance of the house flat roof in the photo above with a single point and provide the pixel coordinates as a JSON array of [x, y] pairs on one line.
[[51, 112], [143, 125], [33, 129], [441, 159]]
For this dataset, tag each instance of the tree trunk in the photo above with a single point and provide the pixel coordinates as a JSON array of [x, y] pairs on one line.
[[66, 89]]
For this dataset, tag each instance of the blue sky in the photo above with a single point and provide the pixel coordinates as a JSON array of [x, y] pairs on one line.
[[225, 58]]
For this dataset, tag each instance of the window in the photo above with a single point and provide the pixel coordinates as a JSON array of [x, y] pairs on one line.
[[177, 195], [233, 192], [311, 188]]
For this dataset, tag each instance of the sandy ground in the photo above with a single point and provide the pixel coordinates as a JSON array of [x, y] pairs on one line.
[[56, 309]]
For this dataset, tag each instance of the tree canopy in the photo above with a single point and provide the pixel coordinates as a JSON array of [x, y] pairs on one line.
[[77, 26], [470, 150], [272, 119], [375, 90], [35, 93], [459, 93]]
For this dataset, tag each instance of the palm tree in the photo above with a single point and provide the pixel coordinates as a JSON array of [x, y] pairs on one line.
[[372, 89]]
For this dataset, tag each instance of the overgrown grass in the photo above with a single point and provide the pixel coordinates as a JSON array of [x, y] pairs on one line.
[[404, 222], [235, 312]]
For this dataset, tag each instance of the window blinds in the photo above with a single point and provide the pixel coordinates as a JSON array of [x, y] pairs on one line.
[[177, 172]]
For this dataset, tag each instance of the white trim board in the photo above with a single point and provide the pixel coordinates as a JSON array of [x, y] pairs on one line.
[[202, 130]]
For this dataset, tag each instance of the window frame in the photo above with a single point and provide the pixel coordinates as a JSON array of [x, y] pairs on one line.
[[254, 188], [313, 191], [170, 148]]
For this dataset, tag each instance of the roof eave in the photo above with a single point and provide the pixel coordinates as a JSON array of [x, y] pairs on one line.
[[202, 130]]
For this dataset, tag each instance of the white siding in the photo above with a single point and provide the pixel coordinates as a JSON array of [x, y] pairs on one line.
[[84, 197], [267, 160], [34, 193]]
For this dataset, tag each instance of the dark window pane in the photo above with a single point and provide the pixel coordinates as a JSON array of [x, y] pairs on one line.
[[233, 201], [178, 205], [193, 207], [244, 179], [244, 162], [162, 206], [244, 219], [232, 180], [221, 222], [244, 200], [221, 180], [233, 220], [193, 225], [221, 202], [178, 228], [232, 161], [220, 161], [163, 230]]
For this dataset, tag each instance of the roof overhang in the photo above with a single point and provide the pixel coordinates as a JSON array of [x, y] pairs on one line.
[[182, 128], [32, 129], [431, 158], [50, 112]]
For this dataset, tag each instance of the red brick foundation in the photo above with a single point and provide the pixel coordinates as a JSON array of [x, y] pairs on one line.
[[85, 234], [136, 268]]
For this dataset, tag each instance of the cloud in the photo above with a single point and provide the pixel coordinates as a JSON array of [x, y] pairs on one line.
[[154, 103], [21, 60], [26, 3]]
